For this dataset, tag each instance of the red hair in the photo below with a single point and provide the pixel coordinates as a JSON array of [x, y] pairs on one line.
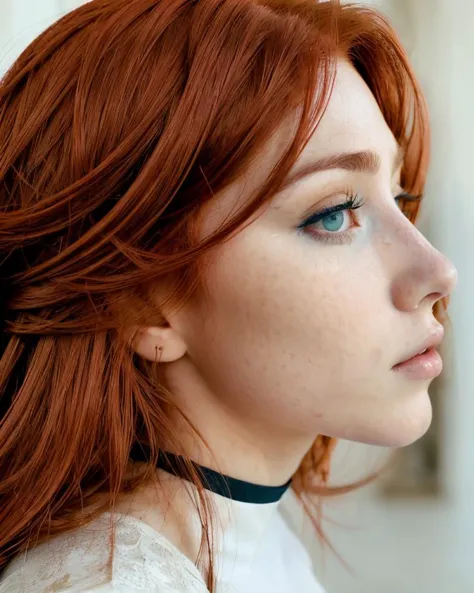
[[118, 124]]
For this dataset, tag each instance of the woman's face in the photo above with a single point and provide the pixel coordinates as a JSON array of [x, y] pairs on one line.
[[309, 309]]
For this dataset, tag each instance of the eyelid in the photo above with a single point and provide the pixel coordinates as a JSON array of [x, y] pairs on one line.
[[408, 204], [333, 199], [408, 196], [352, 202]]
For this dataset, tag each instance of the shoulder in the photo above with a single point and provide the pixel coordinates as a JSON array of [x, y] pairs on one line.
[[115, 554]]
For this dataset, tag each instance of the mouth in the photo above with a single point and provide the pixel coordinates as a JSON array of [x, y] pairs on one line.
[[425, 362]]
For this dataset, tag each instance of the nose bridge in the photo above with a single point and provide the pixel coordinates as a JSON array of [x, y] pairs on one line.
[[425, 274]]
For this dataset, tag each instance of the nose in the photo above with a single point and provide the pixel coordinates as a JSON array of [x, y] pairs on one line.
[[428, 276]]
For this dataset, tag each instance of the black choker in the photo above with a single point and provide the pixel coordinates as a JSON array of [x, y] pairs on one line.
[[237, 490]]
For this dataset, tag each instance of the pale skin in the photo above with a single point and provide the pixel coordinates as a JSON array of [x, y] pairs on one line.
[[301, 327]]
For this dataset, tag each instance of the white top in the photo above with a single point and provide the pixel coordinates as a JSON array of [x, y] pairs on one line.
[[256, 553]]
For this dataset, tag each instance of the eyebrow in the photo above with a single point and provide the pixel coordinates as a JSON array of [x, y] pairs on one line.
[[365, 161]]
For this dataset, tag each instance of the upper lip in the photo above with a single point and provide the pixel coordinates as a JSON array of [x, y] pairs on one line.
[[432, 341]]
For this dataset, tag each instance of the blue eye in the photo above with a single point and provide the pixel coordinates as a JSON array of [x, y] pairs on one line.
[[333, 222]]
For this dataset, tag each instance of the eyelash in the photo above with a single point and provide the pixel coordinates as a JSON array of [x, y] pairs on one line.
[[407, 203], [354, 202]]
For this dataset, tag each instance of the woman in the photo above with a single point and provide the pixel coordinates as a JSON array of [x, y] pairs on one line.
[[208, 259]]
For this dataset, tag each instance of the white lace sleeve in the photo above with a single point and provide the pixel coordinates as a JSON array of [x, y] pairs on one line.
[[138, 560]]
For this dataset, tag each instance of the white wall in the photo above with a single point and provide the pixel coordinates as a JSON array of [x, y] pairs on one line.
[[20, 22], [451, 89]]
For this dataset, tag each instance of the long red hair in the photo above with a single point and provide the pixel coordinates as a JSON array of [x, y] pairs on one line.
[[117, 125]]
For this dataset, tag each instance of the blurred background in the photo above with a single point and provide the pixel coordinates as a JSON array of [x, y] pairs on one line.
[[412, 531]]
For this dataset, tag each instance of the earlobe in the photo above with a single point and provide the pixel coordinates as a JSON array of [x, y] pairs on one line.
[[159, 344]]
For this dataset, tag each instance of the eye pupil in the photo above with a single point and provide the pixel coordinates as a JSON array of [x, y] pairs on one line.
[[333, 222]]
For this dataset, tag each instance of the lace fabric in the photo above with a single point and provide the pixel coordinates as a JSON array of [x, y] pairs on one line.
[[257, 552], [115, 554]]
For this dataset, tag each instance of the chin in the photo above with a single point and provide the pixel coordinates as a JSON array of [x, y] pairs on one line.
[[398, 426]]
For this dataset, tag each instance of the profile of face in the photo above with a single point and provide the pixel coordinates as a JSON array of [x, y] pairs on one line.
[[311, 306]]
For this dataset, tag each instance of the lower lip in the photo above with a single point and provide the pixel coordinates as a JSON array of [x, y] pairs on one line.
[[423, 366]]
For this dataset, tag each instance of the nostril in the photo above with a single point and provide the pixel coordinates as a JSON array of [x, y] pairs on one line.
[[432, 298]]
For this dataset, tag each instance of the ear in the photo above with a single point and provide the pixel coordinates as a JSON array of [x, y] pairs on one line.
[[159, 344]]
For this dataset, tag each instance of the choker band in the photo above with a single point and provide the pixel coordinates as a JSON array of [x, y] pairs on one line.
[[232, 488]]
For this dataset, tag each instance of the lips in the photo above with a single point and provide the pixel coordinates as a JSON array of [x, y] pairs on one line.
[[423, 351], [430, 343]]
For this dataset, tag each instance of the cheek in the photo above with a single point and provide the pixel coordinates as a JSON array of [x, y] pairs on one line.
[[284, 310]]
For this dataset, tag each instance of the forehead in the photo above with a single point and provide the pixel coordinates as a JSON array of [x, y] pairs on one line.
[[352, 122]]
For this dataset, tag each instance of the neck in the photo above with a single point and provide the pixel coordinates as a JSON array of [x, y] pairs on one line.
[[218, 483], [233, 442]]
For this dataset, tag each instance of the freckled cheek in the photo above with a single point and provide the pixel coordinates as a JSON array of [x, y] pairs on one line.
[[271, 303], [276, 291], [244, 277]]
